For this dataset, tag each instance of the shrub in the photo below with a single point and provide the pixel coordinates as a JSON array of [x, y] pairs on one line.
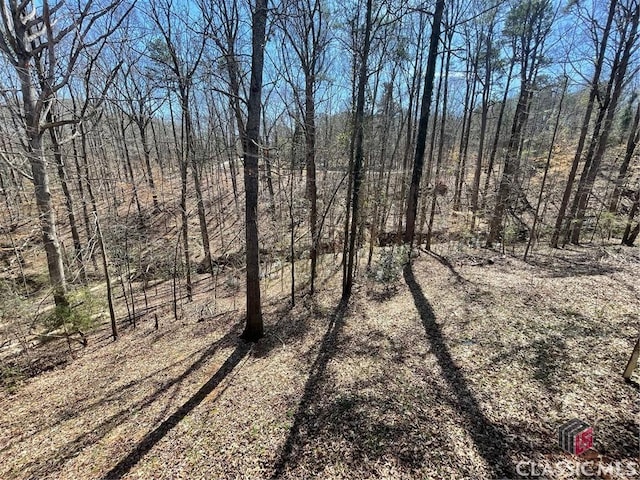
[[81, 315], [389, 265], [10, 377]]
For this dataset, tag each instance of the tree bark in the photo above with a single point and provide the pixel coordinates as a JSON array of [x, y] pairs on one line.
[[310, 149], [631, 233], [484, 114], [146, 150], [444, 82], [528, 45], [418, 162], [632, 142], [463, 152], [546, 171], [41, 184], [496, 137], [592, 165], [593, 93], [62, 176], [511, 166], [358, 154], [254, 328]]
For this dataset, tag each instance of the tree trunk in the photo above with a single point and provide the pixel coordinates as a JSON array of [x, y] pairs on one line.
[[484, 114], [358, 154], [592, 167], [412, 202], [62, 175], [266, 152], [496, 137], [413, 93], [100, 237], [593, 93], [631, 233], [183, 161], [511, 166], [469, 106], [546, 171], [633, 361], [254, 328], [444, 82], [310, 152], [632, 142], [42, 189], [146, 150], [132, 177]]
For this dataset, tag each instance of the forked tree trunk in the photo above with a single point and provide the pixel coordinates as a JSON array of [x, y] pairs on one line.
[[41, 184], [188, 145], [536, 17], [99, 235], [536, 216], [511, 166]]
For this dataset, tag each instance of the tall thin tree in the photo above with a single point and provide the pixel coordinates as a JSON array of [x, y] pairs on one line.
[[421, 139], [254, 328]]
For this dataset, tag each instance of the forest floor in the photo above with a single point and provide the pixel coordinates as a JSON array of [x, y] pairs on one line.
[[464, 367]]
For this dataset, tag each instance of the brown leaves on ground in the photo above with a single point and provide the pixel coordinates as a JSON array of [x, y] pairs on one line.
[[464, 370]]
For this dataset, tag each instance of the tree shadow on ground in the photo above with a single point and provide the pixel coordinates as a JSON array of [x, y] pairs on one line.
[[547, 353], [489, 439], [293, 324], [120, 391], [152, 438], [382, 294], [41, 467], [573, 264], [444, 261], [618, 438], [633, 384], [316, 376]]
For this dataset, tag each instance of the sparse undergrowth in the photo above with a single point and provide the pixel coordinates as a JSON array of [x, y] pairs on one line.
[[467, 369]]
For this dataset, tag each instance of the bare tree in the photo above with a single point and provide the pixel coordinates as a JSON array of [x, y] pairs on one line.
[[358, 154], [180, 51], [138, 99], [601, 49], [632, 143], [32, 39], [254, 328], [305, 27], [487, 54], [628, 28], [418, 161], [528, 25]]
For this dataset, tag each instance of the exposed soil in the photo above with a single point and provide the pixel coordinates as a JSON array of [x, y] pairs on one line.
[[465, 367]]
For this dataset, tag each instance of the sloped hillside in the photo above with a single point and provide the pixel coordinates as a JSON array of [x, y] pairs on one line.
[[463, 368]]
